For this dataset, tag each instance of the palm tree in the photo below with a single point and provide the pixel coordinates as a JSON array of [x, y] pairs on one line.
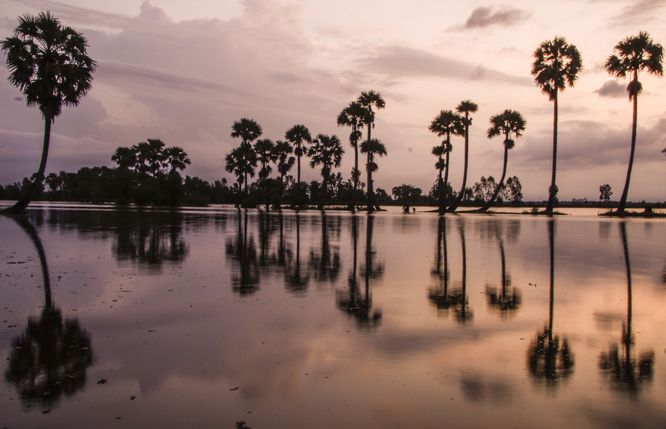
[[298, 135], [632, 55], [265, 150], [285, 161], [464, 108], [353, 116], [445, 123], [556, 65], [369, 100], [372, 147], [48, 62], [241, 161], [248, 130], [506, 123], [327, 151]]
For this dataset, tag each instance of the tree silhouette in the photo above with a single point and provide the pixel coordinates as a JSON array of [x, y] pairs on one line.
[[285, 162], [325, 151], [353, 116], [243, 160], [49, 63], [465, 108], [549, 358], [556, 65], [439, 295], [463, 313], [51, 356], [634, 54], [372, 147], [266, 154], [326, 264], [446, 123], [371, 270], [370, 100], [622, 368], [299, 136], [506, 123]]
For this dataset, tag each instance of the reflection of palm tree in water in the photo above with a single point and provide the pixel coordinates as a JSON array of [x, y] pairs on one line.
[[325, 264], [50, 358], [441, 296], [153, 241], [354, 303], [297, 280], [507, 299], [549, 358], [623, 370], [243, 251]]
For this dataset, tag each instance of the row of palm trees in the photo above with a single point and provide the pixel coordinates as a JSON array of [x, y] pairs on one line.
[[49, 63]]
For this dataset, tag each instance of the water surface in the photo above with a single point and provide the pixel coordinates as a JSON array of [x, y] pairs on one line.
[[209, 318]]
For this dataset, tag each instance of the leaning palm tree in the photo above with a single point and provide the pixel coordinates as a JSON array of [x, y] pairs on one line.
[[506, 123], [298, 136], [49, 63], [371, 148], [370, 100], [353, 116], [556, 65], [464, 108], [446, 123], [632, 55], [325, 151], [285, 161]]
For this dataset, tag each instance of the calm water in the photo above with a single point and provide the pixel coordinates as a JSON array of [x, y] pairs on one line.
[[205, 319]]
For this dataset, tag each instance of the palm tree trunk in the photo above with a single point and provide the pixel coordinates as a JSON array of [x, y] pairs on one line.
[[25, 199], [245, 188], [371, 196], [551, 191], [440, 186], [503, 258], [464, 272], [357, 173], [456, 203], [298, 181], [324, 184], [500, 184], [625, 191], [446, 256], [445, 188], [29, 229], [281, 191]]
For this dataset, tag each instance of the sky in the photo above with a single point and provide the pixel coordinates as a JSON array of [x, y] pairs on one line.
[[185, 71]]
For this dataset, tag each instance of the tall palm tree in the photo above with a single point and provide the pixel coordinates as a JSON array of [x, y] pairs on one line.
[[370, 100], [464, 108], [632, 55], [327, 151], [298, 136], [440, 151], [506, 123], [49, 63], [285, 161], [372, 147], [248, 130], [353, 116], [556, 65], [446, 123], [265, 150]]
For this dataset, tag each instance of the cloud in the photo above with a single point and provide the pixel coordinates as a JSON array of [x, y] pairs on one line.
[[638, 12], [400, 61], [484, 16], [612, 88]]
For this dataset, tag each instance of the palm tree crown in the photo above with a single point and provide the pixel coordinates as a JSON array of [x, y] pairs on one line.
[[247, 129], [327, 151], [466, 107], [265, 150], [447, 123], [373, 147], [507, 123], [298, 135], [49, 63], [556, 65], [632, 55], [283, 151]]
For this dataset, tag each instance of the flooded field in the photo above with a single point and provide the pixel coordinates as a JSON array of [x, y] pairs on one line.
[[207, 319]]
